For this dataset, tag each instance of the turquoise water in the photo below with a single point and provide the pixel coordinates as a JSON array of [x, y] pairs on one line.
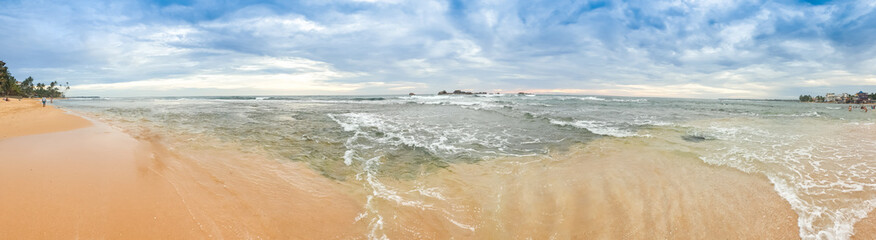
[[820, 157]]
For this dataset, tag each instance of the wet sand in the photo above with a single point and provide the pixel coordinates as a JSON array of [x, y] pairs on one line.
[[98, 182], [599, 191], [866, 228]]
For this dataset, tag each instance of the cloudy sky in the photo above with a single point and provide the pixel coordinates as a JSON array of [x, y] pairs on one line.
[[687, 48]]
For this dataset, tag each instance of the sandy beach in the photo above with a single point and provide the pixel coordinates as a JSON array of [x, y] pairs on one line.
[[388, 119], [600, 191], [27, 117], [64, 177]]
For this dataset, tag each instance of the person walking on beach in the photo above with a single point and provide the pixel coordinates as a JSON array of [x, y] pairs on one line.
[[44, 101]]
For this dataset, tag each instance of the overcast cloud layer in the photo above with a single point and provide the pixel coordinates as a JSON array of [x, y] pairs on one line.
[[709, 49]]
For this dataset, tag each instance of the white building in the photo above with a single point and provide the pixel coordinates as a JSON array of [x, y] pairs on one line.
[[830, 97], [845, 98]]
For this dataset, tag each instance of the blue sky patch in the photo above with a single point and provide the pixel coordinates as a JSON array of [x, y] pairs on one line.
[[707, 49]]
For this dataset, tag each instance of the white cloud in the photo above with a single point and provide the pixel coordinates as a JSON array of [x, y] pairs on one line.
[[379, 1], [745, 47], [689, 90], [266, 26], [296, 75]]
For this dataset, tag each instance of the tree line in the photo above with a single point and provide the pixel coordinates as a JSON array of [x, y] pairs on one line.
[[9, 86], [808, 98]]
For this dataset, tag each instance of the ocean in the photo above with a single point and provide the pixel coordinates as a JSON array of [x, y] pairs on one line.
[[478, 163]]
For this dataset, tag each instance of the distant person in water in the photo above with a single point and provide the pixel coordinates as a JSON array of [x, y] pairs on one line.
[[850, 107], [44, 102]]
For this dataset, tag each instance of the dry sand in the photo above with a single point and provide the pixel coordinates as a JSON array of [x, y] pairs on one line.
[[27, 117], [97, 183]]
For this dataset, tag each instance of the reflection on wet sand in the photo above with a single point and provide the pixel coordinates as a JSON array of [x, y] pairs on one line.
[[601, 190]]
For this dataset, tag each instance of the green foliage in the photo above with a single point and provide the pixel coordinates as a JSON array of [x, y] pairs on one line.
[[53, 89], [4, 72], [10, 86], [27, 87], [41, 90], [6, 80], [805, 98]]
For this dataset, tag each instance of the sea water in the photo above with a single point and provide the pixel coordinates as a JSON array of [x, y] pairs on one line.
[[821, 158]]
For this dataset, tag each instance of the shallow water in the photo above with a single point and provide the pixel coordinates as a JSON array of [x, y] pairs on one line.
[[405, 156]]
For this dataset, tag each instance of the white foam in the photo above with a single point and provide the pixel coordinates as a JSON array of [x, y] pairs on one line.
[[460, 225], [348, 157], [429, 192], [597, 127], [592, 99], [629, 100], [397, 134], [430, 97], [806, 114], [650, 122], [358, 123], [824, 172]]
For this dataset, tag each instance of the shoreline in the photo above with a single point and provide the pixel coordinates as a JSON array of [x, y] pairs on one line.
[[95, 181]]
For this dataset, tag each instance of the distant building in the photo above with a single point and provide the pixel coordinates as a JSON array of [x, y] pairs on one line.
[[845, 98], [862, 97], [830, 97]]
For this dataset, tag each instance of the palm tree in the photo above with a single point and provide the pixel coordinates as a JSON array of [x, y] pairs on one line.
[[66, 88], [9, 86], [53, 90], [41, 89], [5, 87], [4, 73], [27, 87]]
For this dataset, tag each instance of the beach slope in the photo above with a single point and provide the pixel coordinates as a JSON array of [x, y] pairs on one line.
[[91, 181]]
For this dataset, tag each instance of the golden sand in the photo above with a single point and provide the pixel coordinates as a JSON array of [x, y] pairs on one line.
[[26, 116], [96, 182]]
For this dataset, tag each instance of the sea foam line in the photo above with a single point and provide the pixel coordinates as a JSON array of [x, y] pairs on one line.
[[370, 170], [811, 173], [596, 127]]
